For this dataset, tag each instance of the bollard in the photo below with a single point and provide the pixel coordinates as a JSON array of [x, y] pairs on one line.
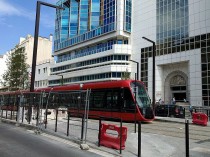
[[187, 137], [139, 139]]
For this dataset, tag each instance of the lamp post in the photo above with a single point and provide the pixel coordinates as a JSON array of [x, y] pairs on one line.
[[36, 33], [153, 72], [136, 78], [61, 79], [137, 64]]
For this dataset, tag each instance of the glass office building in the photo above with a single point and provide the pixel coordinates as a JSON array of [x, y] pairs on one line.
[[96, 39], [91, 41]]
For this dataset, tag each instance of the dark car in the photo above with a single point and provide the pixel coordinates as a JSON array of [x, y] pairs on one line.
[[169, 110]]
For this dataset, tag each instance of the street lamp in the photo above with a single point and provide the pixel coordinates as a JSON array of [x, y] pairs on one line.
[[36, 33], [61, 79], [153, 72], [136, 78], [137, 64]]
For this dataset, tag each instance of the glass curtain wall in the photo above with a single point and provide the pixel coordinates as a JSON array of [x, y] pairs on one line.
[[74, 12], [83, 20], [172, 20], [127, 13], [95, 14], [83, 16]]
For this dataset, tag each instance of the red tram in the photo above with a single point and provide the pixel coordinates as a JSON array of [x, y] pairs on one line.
[[111, 99]]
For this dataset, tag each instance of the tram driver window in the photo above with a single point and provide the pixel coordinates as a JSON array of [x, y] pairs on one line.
[[128, 101]]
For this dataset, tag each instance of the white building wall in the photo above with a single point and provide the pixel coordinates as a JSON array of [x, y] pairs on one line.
[[44, 50], [199, 19], [143, 24], [3, 65], [189, 62], [43, 73], [117, 49]]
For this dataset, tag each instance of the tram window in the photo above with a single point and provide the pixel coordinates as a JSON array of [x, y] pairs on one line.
[[128, 101], [115, 104], [108, 99], [98, 99]]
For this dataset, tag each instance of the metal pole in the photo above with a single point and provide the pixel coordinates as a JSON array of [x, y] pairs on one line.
[[36, 33], [121, 136], [187, 137], [6, 112], [46, 110], [137, 66], [11, 113], [23, 108], [153, 72], [153, 75], [68, 124], [99, 136], [18, 111], [56, 120], [139, 139], [82, 131], [135, 103]]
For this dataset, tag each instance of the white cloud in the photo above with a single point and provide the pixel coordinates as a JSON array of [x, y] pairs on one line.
[[7, 9]]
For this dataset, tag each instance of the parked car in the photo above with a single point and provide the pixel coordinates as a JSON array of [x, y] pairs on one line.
[[170, 110]]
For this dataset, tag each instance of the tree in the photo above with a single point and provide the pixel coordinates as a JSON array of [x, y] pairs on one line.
[[126, 75], [16, 76]]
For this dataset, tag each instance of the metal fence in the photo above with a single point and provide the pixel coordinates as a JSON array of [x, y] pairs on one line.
[[63, 113]]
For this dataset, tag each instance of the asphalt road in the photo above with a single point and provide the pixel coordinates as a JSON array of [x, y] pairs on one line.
[[20, 142]]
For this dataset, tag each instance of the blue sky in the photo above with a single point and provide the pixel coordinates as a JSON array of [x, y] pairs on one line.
[[17, 19]]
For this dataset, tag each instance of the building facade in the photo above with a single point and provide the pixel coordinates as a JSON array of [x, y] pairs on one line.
[[42, 73], [44, 49], [44, 58], [96, 39], [3, 59], [181, 30], [91, 41]]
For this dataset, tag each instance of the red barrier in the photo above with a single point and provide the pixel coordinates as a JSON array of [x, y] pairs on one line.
[[200, 118], [112, 141]]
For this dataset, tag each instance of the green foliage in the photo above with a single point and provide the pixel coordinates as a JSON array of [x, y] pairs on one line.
[[126, 75], [16, 76]]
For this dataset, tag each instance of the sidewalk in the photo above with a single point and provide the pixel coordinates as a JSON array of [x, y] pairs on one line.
[[151, 144]]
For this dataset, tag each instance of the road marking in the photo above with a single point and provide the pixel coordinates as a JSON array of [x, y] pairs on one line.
[[102, 153], [201, 150]]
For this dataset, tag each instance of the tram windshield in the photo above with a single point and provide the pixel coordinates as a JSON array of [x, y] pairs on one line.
[[142, 96]]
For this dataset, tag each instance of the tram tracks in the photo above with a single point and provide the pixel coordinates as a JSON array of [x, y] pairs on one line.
[[196, 132]]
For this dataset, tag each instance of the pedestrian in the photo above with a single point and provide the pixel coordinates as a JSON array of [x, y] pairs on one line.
[[191, 109], [174, 101]]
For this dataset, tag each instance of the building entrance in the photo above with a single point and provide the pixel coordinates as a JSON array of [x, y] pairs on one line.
[[178, 88], [179, 96]]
